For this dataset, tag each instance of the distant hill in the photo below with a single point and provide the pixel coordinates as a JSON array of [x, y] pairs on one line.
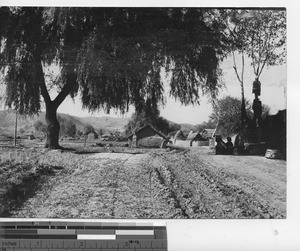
[[187, 127], [76, 120], [106, 122], [7, 122]]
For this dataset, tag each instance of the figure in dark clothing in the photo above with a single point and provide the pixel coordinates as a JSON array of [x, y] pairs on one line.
[[229, 146], [221, 146]]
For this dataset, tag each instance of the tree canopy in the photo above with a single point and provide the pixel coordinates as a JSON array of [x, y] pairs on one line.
[[88, 129], [112, 56], [105, 50], [260, 34], [39, 126], [226, 115], [67, 127]]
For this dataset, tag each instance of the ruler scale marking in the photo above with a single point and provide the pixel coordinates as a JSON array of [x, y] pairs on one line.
[[83, 236]]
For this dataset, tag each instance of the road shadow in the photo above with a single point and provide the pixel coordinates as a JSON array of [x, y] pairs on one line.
[[17, 194]]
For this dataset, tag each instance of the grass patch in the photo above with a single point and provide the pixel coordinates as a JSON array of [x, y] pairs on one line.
[[25, 171], [20, 181]]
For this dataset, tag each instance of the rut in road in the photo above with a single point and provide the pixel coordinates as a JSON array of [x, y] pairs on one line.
[[202, 193], [162, 185], [105, 185]]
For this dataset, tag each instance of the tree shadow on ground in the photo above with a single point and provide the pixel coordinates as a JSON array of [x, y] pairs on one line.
[[14, 198], [107, 151]]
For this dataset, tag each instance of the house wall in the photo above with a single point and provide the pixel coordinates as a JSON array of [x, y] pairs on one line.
[[200, 143], [151, 142], [184, 143], [147, 132], [130, 142], [90, 137]]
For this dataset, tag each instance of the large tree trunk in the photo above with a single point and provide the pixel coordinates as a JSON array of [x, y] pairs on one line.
[[52, 127]]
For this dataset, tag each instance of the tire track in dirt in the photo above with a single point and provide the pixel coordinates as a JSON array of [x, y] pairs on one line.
[[130, 190], [182, 196], [262, 181], [198, 201], [111, 185], [104, 181], [160, 184], [250, 205], [141, 194], [169, 194]]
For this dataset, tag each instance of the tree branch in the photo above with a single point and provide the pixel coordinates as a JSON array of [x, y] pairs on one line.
[[267, 53], [234, 67], [42, 84], [252, 52], [264, 63], [65, 91], [259, 53]]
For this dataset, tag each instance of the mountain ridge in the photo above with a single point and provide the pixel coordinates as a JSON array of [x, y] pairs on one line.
[[7, 122]]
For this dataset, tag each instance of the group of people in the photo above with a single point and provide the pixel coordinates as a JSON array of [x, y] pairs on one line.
[[224, 148]]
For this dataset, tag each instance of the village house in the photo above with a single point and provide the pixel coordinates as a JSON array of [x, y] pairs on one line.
[[142, 133], [196, 139], [30, 137], [193, 139], [92, 136], [208, 133]]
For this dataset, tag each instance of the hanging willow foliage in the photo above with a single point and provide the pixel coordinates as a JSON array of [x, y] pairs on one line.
[[114, 56]]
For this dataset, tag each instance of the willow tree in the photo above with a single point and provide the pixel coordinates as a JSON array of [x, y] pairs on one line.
[[112, 56]]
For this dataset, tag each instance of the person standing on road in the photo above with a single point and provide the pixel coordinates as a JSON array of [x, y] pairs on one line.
[[229, 146], [221, 146]]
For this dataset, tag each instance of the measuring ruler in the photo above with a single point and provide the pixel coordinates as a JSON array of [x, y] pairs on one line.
[[82, 236]]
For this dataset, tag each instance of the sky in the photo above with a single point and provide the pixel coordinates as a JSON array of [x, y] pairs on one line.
[[273, 81]]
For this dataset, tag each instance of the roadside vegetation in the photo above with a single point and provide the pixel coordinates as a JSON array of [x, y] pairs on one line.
[[24, 170]]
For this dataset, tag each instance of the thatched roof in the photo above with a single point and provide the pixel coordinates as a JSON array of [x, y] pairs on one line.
[[208, 133], [218, 132], [194, 136], [179, 135], [148, 127]]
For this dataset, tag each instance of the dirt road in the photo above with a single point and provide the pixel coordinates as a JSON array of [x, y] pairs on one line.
[[159, 183]]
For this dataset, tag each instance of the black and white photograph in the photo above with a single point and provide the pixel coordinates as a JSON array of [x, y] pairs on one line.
[[143, 113]]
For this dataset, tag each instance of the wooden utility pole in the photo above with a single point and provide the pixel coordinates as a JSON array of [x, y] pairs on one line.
[[16, 128]]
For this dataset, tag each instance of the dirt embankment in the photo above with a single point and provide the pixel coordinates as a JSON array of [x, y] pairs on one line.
[[159, 183]]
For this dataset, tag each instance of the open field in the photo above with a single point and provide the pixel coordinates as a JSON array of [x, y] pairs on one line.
[[119, 182]]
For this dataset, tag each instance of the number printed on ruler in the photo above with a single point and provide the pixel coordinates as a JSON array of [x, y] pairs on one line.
[[82, 236], [48, 245]]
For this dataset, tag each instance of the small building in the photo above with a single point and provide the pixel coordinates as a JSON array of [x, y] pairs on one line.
[[31, 137], [216, 134], [92, 136], [208, 133], [194, 136], [144, 132], [178, 136]]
